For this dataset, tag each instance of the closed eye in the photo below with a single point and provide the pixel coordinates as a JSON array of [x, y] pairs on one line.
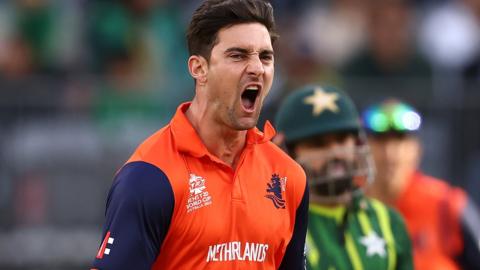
[[241, 54], [237, 56], [267, 57]]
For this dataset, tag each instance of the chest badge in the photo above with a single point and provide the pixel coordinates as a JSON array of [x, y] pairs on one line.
[[198, 196], [374, 244], [275, 189]]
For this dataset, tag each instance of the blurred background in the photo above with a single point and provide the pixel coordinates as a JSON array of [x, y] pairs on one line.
[[83, 82]]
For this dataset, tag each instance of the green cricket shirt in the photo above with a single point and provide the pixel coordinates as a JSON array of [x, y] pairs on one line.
[[366, 236]]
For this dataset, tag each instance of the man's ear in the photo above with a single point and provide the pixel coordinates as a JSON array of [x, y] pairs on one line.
[[198, 68]]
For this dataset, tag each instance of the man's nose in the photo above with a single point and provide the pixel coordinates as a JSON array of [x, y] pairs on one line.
[[338, 151], [255, 66]]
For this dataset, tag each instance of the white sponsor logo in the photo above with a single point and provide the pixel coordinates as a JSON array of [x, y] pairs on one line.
[[237, 251], [199, 196]]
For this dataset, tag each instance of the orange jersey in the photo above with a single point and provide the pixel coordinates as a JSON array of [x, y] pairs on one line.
[[432, 211], [176, 206]]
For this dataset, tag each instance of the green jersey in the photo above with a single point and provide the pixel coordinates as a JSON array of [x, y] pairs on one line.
[[366, 236]]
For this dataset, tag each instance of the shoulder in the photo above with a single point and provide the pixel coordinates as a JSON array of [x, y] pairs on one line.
[[439, 189], [140, 182], [148, 150], [430, 184], [160, 151], [139, 175]]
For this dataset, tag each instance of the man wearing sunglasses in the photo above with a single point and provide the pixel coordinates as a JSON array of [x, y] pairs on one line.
[[442, 221]]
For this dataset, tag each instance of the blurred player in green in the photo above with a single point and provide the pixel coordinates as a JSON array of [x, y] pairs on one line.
[[320, 128]]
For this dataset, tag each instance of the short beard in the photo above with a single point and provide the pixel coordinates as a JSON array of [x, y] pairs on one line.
[[236, 125]]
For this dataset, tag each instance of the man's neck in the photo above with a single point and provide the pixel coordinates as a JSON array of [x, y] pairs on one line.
[[220, 140]]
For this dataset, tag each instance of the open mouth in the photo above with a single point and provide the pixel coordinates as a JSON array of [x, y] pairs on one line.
[[249, 97]]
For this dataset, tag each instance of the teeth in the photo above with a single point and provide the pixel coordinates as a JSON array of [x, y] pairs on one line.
[[254, 88]]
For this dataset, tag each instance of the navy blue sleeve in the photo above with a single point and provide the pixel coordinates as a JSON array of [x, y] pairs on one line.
[[139, 210], [470, 258], [295, 254]]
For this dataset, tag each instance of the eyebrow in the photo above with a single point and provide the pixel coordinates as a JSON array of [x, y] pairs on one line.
[[245, 51]]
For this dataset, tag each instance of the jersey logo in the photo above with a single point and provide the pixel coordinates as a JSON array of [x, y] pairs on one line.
[[322, 101], [276, 187], [374, 244], [198, 196], [103, 248]]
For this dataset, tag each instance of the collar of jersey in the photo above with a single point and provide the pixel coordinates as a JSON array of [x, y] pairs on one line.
[[187, 139], [335, 212]]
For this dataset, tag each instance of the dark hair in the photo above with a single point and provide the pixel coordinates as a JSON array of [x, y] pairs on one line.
[[213, 15]]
